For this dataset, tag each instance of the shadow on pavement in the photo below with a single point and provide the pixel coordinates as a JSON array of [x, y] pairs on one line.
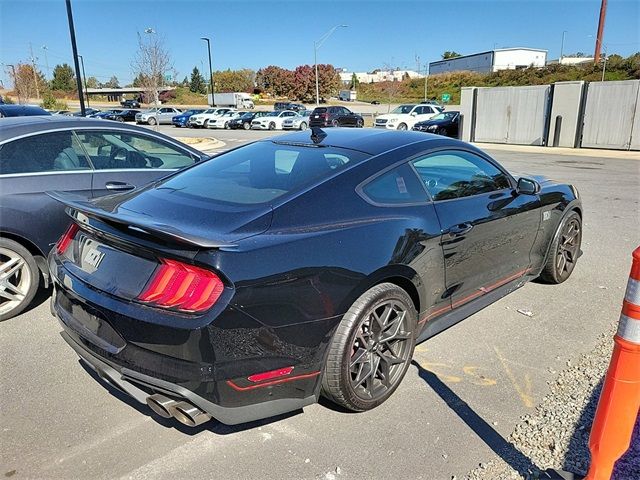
[[212, 426], [501, 447]]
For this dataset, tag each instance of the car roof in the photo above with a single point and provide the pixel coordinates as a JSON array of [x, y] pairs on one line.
[[13, 127], [367, 140]]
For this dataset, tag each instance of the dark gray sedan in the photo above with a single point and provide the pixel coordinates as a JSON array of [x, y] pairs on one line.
[[86, 156]]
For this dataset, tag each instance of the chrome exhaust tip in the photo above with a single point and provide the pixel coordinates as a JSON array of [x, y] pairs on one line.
[[188, 414], [161, 405]]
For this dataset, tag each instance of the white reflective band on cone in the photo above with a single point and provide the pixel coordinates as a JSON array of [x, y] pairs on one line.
[[629, 329], [632, 294]]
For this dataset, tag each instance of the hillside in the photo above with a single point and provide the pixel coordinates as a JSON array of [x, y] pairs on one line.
[[618, 68]]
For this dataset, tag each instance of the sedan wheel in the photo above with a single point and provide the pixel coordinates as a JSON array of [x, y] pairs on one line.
[[371, 349], [402, 126], [19, 278], [564, 251], [442, 131], [272, 126], [246, 125], [152, 121], [303, 126], [334, 123]]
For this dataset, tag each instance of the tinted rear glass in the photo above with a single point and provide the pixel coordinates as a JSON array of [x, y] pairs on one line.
[[261, 172], [320, 110]]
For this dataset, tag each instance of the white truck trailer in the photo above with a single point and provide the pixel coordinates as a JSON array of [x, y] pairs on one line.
[[234, 99]]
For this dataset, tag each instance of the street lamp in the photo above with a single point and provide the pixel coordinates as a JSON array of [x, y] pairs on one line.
[[46, 58], [564, 32], [213, 98], [316, 46], [84, 80]]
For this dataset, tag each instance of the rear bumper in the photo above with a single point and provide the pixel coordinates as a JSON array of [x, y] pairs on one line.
[[140, 386]]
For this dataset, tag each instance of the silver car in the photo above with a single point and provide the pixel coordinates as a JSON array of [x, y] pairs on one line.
[[297, 123], [162, 115]]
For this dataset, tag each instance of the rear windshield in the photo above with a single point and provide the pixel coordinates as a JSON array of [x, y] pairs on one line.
[[320, 110], [260, 172]]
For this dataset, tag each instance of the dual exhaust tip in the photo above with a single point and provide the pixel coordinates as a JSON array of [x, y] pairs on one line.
[[184, 412]]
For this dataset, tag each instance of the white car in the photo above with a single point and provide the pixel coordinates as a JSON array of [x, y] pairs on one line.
[[223, 121], [404, 117], [157, 115], [203, 119], [301, 122], [273, 120]]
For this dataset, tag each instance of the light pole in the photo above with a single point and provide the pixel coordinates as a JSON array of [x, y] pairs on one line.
[[84, 80], [564, 32], [74, 48], [316, 46], [213, 97]]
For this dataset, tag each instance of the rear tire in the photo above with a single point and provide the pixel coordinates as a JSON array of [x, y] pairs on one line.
[[564, 250], [334, 123], [359, 123], [19, 278], [371, 349]]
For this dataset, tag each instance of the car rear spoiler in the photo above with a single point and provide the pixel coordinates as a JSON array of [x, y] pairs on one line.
[[79, 208]]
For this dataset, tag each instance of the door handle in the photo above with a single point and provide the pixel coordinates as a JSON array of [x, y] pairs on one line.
[[460, 229], [119, 186]]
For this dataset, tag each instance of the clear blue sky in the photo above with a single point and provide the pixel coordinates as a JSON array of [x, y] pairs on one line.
[[254, 34]]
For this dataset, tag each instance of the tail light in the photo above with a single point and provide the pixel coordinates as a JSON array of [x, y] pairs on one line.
[[67, 238], [183, 287]]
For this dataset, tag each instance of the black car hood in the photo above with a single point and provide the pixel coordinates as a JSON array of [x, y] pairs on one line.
[[162, 213], [427, 123]]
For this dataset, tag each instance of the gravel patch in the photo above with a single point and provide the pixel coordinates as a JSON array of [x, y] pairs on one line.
[[556, 435]]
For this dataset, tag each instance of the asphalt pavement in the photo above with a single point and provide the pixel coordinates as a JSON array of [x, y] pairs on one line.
[[462, 397]]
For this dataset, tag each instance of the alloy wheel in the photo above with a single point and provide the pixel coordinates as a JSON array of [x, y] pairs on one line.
[[380, 349], [15, 280], [568, 248]]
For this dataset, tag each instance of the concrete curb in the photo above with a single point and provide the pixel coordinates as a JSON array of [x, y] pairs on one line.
[[203, 144], [576, 152]]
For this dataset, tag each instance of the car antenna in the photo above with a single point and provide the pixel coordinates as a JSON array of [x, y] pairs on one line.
[[317, 135]]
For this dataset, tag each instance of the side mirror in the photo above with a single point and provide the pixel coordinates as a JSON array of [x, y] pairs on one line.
[[526, 186], [413, 114]]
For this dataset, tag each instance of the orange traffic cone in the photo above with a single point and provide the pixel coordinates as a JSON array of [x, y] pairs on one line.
[[620, 398]]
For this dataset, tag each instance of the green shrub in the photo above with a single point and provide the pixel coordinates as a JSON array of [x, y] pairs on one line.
[[50, 102]]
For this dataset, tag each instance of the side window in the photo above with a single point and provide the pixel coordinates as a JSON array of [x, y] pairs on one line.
[[397, 186], [49, 152], [118, 150], [418, 110], [457, 174]]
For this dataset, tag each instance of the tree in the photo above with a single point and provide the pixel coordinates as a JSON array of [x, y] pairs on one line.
[[112, 83], [150, 63], [234, 80], [25, 80], [354, 81], [304, 83], [185, 82], [92, 82], [63, 78], [197, 84], [275, 80], [450, 54], [328, 80]]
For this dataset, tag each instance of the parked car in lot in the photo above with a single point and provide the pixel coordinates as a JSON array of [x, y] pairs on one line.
[[90, 157], [182, 120], [404, 117], [301, 122], [105, 113], [130, 103], [201, 120], [9, 110], [296, 107], [123, 116], [444, 123], [160, 115], [223, 120], [272, 120], [87, 112], [335, 117], [59, 112], [299, 266], [244, 120]]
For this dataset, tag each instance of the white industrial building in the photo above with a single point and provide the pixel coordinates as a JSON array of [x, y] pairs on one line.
[[379, 76], [492, 61], [571, 61]]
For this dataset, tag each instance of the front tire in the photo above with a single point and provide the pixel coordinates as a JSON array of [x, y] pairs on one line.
[[371, 349], [272, 126], [19, 278], [564, 250], [152, 121], [402, 126], [303, 126], [246, 126]]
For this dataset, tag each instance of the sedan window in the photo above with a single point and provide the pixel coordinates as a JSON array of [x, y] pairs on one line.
[[49, 152], [457, 174], [120, 150]]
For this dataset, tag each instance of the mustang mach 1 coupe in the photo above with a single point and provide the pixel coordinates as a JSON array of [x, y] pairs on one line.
[[302, 265]]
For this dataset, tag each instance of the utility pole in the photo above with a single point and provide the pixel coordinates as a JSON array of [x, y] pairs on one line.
[[35, 76], [564, 32], [316, 46], [72, 34], [600, 34], [84, 80], [426, 76]]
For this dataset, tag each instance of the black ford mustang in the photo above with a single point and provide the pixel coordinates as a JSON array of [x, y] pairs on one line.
[[302, 265]]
